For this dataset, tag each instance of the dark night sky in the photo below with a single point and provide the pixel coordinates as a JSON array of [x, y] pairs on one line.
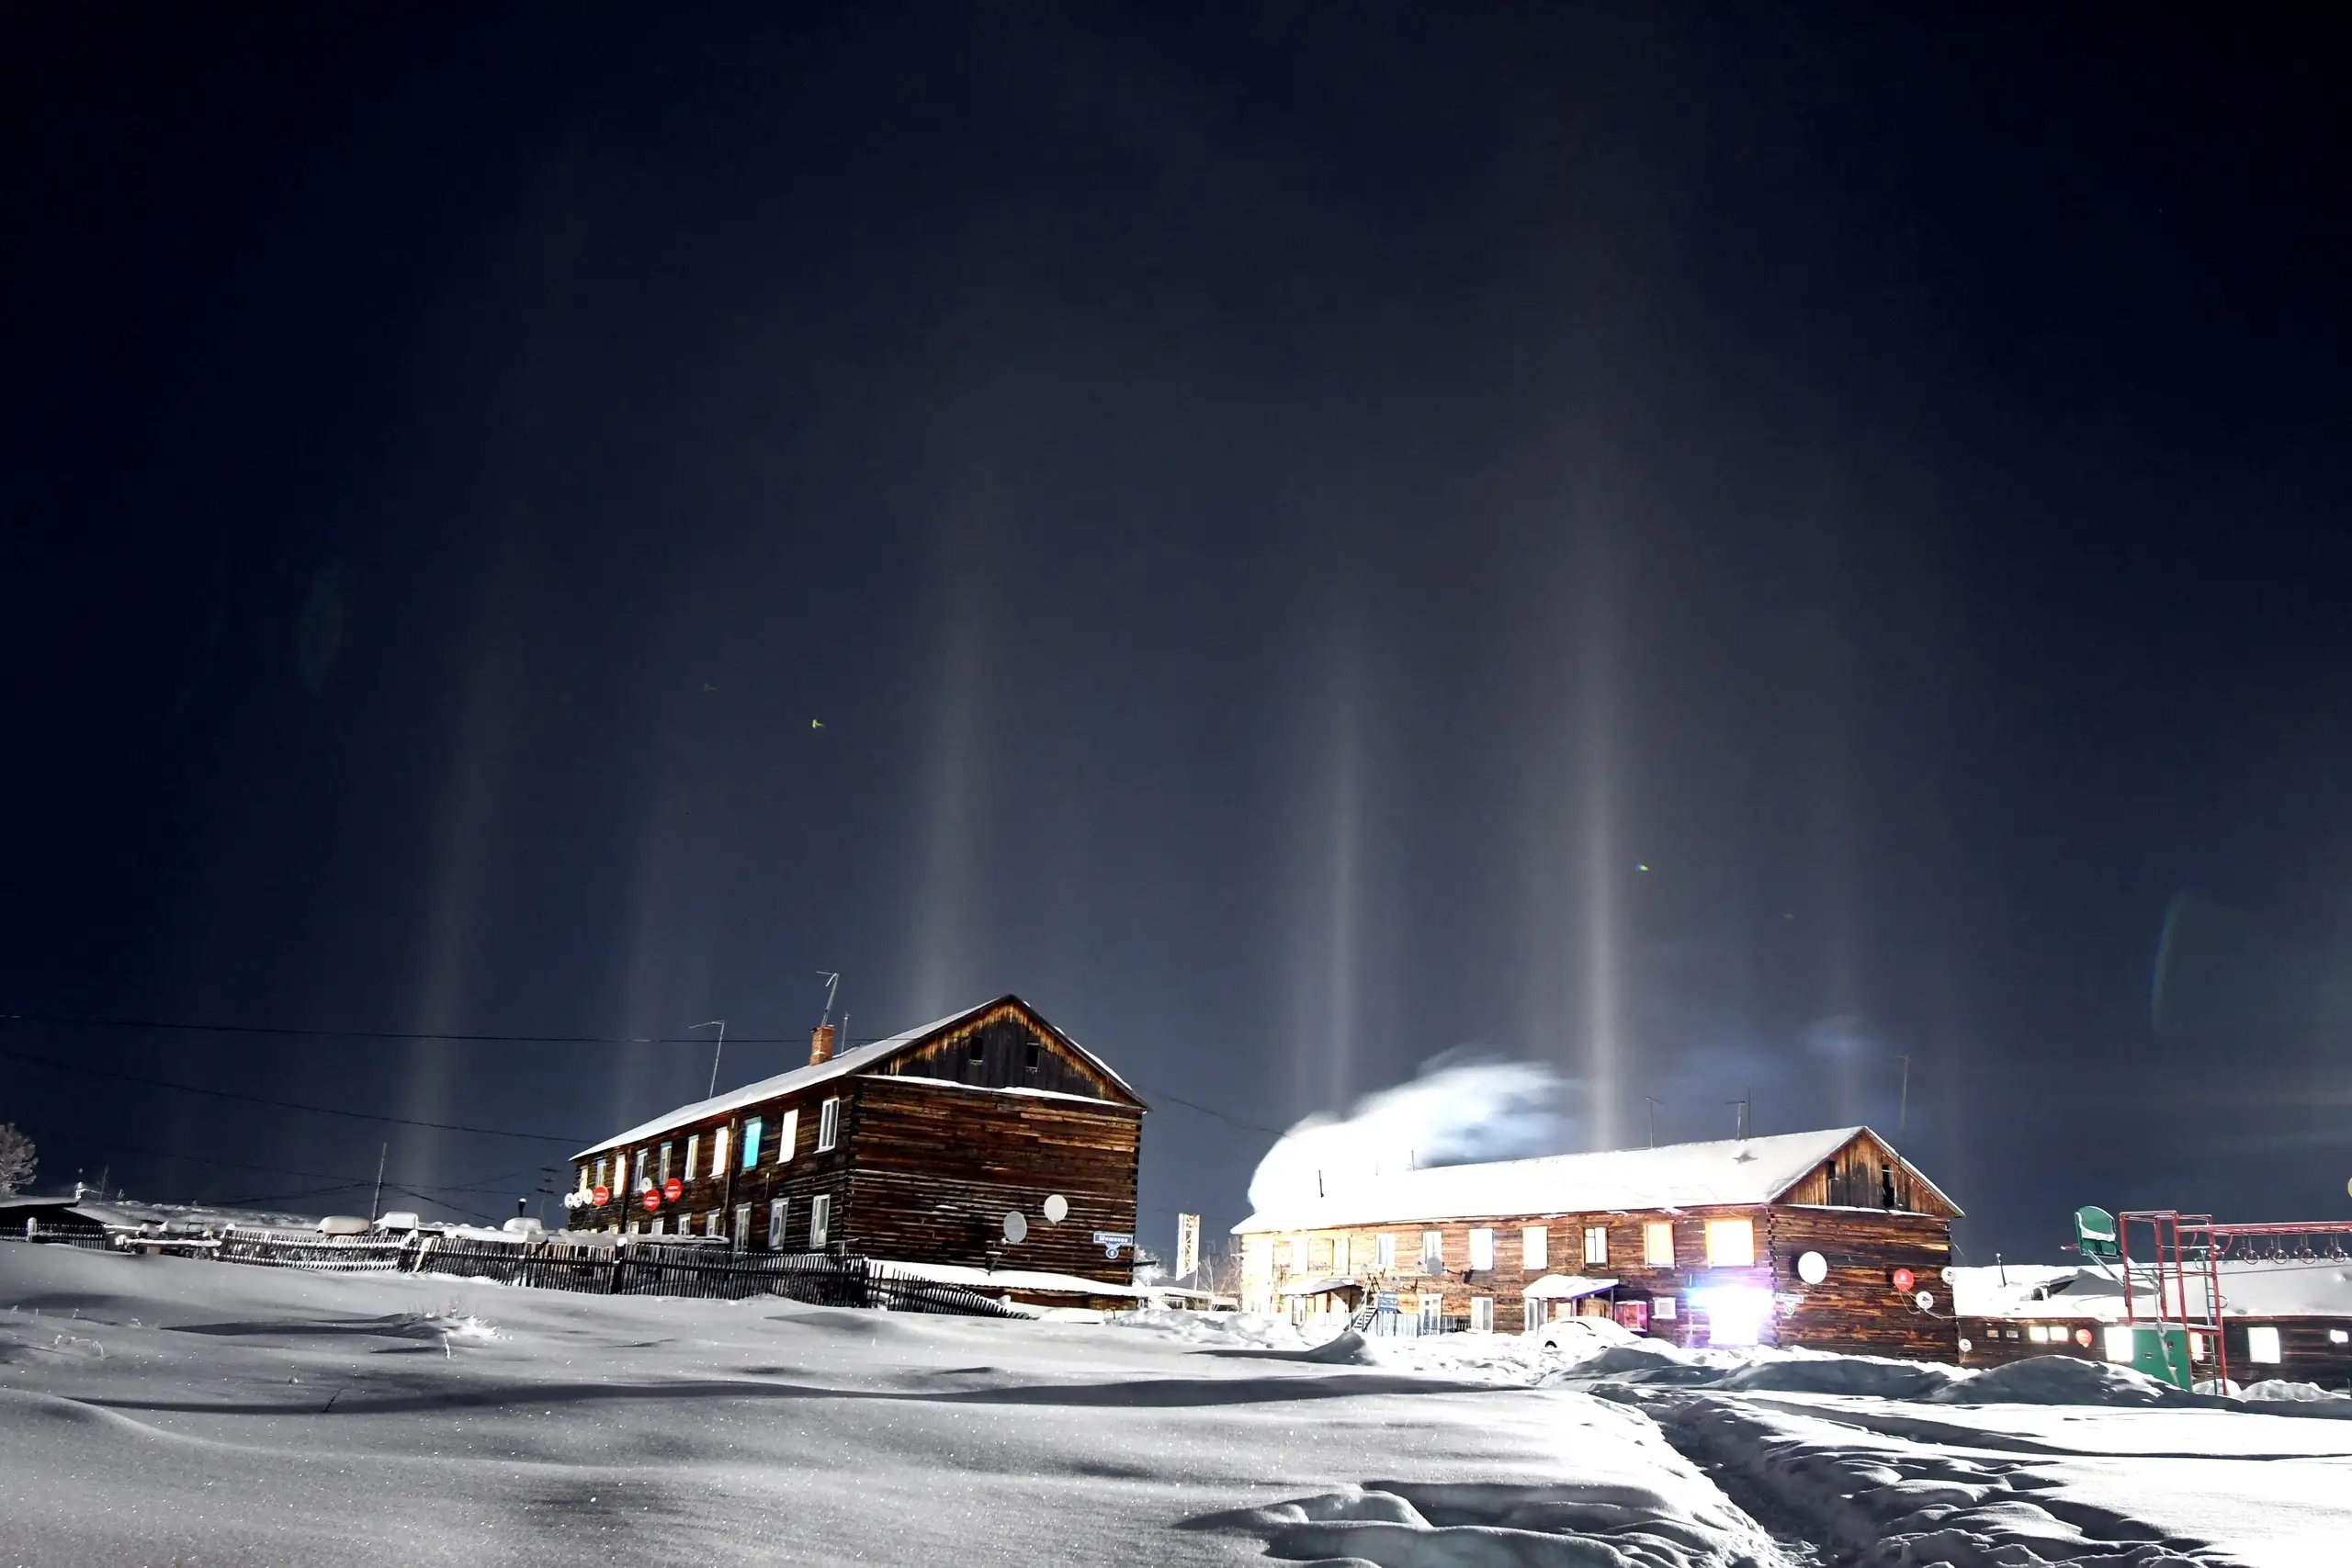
[[1278, 516]]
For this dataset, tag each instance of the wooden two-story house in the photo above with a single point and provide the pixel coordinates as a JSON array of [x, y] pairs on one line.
[[1829, 1239], [916, 1149]]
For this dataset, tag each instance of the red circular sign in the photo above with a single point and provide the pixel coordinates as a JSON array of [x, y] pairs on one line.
[[652, 1200], [601, 1196], [2082, 1337], [1904, 1280], [674, 1189]]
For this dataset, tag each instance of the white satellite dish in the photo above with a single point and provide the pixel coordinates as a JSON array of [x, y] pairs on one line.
[[1927, 1300], [1813, 1267], [1016, 1229], [1056, 1209]]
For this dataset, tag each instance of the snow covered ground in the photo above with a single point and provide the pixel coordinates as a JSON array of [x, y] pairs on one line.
[[162, 1411]]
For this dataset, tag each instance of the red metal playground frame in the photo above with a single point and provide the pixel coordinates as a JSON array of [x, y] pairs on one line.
[[2192, 1248]]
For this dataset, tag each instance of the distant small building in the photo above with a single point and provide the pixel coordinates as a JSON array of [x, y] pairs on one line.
[[913, 1149], [2287, 1317], [1828, 1239]]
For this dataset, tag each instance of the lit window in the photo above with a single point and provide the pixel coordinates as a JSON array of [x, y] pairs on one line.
[[1657, 1244], [776, 1224], [828, 1125], [2339, 1336], [2262, 1344], [694, 1145], [718, 1149], [1482, 1249], [788, 1132], [2038, 1334], [2197, 1347], [2119, 1343], [752, 1131], [1596, 1245], [1731, 1244], [1432, 1252], [1535, 1250], [1482, 1311], [1383, 1252], [821, 1218], [1661, 1309]]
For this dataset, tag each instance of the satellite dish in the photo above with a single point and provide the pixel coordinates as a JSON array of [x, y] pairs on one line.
[[1965, 1347], [1927, 1300], [1016, 1229], [1950, 1276], [1813, 1267], [1056, 1209]]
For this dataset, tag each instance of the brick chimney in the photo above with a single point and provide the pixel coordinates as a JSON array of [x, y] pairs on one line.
[[821, 1045]]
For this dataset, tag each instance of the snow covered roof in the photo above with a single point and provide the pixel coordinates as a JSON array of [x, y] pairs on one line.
[[1566, 1287], [1734, 1170], [1032, 1282], [856, 1059], [2317, 1287]]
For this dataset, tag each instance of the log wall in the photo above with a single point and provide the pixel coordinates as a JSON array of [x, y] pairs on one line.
[[1856, 1309]]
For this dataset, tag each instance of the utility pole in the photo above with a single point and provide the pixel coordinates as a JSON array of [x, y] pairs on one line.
[[1902, 1109], [720, 1025], [376, 1204]]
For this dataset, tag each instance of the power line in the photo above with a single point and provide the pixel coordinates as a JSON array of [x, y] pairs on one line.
[[277, 1032], [281, 1031], [288, 1104]]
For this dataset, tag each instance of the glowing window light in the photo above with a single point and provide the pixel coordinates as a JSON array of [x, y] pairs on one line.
[[2119, 1343], [2038, 1334], [2262, 1344], [1731, 1244], [1736, 1314]]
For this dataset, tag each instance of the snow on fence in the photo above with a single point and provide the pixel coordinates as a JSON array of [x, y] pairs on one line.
[[631, 1268]]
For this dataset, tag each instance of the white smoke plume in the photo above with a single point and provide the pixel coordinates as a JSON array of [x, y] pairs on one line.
[[1457, 1109]]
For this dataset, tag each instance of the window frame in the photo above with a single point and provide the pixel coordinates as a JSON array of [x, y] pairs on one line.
[[780, 1217], [2260, 1337], [694, 1145], [1482, 1315], [1433, 1252], [667, 1145], [820, 1221], [829, 1125], [718, 1149], [1728, 1255], [1652, 1230], [788, 1132], [1383, 1252], [1596, 1246], [742, 1234], [1481, 1244], [752, 1127], [1534, 1248]]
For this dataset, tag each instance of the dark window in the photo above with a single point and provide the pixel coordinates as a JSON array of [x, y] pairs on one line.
[[1029, 1057], [978, 1050], [1886, 1186]]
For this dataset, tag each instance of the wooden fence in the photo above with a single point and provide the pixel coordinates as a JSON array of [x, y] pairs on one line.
[[632, 1268]]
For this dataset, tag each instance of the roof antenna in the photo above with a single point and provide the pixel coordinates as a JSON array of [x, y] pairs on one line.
[[1653, 1105], [833, 982], [719, 1024], [1903, 1111]]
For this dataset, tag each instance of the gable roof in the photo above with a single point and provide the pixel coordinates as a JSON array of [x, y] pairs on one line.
[[856, 1059], [1677, 1176]]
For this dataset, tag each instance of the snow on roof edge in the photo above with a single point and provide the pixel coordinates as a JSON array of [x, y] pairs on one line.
[[841, 1066], [1673, 1175]]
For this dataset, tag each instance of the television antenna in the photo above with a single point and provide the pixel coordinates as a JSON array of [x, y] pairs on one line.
[[833, 983], [720, 1025]]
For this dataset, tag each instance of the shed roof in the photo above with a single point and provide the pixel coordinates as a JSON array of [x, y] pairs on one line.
[[856, 1059], [2257, 1288], [1732, 1170]]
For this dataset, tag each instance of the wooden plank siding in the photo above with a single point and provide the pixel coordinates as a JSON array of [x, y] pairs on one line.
[[1855, 1309], [2309, 1352], [933, 1146], [936, 1171]]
